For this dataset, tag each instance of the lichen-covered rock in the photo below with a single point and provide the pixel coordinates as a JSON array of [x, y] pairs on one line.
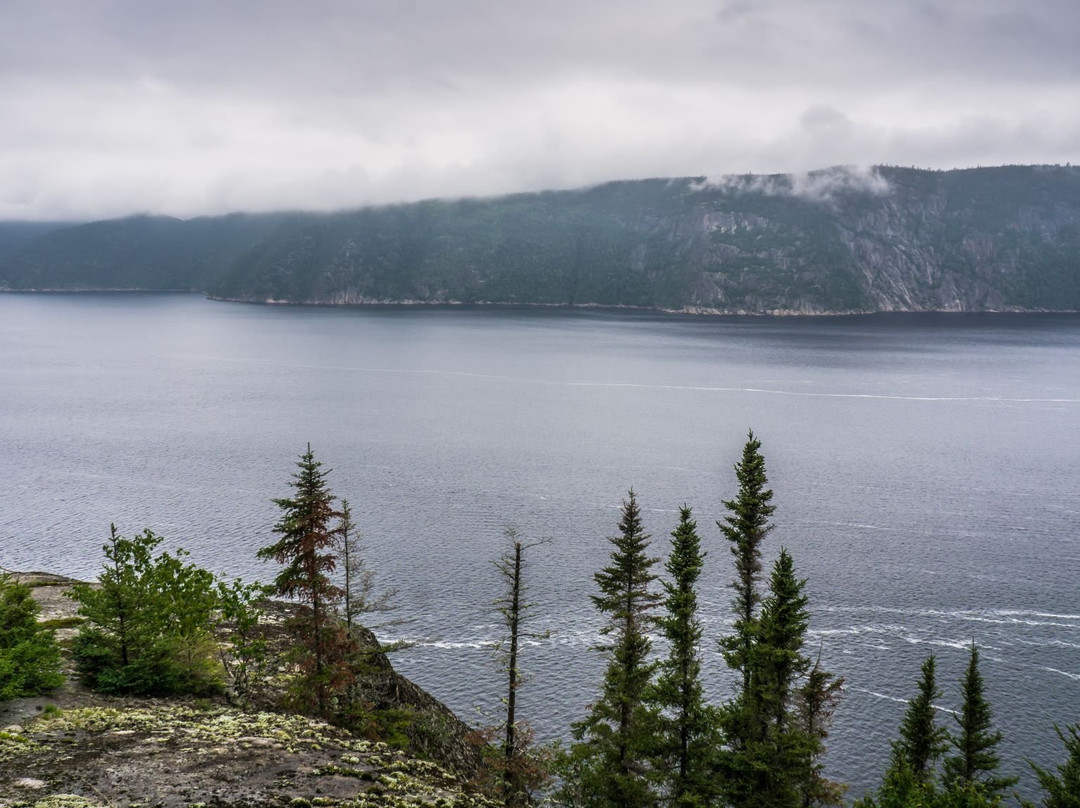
[[178, 755]]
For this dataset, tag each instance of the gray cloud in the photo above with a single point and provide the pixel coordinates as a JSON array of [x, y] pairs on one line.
[[116, 106]]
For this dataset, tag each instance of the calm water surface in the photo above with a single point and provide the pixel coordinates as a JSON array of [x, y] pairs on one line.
[[925, 469]]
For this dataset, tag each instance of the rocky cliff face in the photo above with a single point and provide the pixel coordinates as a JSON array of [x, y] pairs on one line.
[[836, 241]]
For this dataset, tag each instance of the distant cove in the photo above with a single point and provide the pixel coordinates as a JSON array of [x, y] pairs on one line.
[[925, 469]]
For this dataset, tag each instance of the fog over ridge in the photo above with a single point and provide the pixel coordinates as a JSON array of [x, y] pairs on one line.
[[117, 107]]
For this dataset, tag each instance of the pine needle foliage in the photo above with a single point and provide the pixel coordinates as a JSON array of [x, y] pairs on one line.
[[308, 532], [922, 743], [610, 763], [1062, 790], [818, 699], [746, 526], [148, 628], [975, 763], [688, 736]]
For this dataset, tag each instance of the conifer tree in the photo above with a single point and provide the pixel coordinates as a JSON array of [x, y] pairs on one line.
[[1062, 789], [521, 772], [611, 758], [688, 736], [975, 763], [358, 592], [742, 719], [922, 743], [911, 778], [305, 547], [818, 699], [745, 527], [773, 767]]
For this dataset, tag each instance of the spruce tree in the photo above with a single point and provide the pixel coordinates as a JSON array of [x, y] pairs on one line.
[[743, 717], [975, 763], [746, 526], [911, 778], [782, 630], [688, 736], [308, 535], [922, 743], [611, 758], [1062, 789], [773, 768]]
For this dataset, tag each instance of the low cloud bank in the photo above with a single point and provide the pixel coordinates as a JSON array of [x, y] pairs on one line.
[[813, 186]]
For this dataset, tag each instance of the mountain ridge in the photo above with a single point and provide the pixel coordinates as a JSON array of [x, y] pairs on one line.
[[836, 241]]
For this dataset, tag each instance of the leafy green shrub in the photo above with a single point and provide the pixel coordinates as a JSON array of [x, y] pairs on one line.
[[29, 657], [149, 622]]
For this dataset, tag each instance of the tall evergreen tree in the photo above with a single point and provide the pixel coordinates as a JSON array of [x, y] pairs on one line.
[[911, 778], [611, 758], [308, 534], [688, 736], [922, 743], [743, 717], [1062, 789], [784, 621], [746, 526], [773, 768], [976, 760]]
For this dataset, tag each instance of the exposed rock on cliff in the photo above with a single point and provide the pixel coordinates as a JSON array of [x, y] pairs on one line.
[[835, 241]]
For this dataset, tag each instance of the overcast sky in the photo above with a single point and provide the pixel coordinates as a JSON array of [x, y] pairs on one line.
[[110, 107]]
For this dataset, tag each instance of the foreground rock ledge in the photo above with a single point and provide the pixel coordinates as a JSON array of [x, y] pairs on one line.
[[172, 754], [78, 749]]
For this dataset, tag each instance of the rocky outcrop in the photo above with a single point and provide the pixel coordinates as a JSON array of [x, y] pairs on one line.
[[75, 748]]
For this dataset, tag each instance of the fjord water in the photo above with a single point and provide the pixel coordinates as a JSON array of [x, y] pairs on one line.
[[925, 470]]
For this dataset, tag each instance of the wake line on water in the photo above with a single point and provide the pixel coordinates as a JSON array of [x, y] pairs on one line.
[[897, 699], [639, 385]]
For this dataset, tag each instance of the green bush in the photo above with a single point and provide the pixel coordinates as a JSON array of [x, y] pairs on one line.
[[29, 657], [148, 627]]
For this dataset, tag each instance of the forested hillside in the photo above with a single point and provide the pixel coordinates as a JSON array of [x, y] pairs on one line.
[[891, 239]]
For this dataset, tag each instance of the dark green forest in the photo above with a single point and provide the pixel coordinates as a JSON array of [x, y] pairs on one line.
[[896, 239], [154, 624]]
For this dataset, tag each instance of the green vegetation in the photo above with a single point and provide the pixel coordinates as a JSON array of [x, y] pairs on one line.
[[688, 739], [154, 624], [306, 550], [1062, 789], [922, 742], [609, 763], [149, 623], [970, 778], [974, 765], [29, 657]]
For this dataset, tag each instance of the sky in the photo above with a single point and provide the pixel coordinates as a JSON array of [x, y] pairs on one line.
[[114, 107]]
